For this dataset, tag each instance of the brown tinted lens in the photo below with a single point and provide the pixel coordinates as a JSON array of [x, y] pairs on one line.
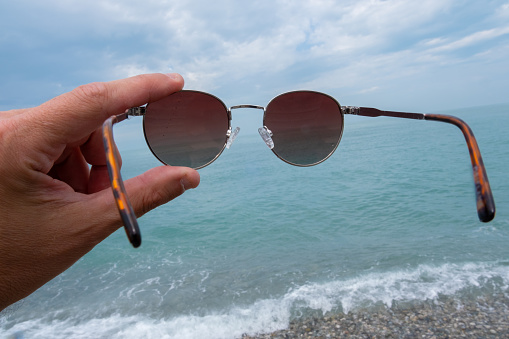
[[306, 126], [187, 128]]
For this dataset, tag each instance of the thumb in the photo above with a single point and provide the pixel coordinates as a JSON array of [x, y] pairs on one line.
[[146, 191], [159, 185]]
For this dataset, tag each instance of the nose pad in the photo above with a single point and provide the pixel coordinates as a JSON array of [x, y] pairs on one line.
[[266, 135], [232, 136]]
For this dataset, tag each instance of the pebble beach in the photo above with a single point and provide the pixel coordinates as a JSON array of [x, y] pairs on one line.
[[482, 318]]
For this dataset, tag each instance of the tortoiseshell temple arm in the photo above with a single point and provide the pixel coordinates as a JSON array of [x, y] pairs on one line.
[[117, 185], [485, 202]]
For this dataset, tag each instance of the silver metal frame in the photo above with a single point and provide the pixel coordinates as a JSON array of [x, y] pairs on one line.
[[140, 111]]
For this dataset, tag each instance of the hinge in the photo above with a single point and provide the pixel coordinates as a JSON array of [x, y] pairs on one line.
[[136, 111], [350, 110]]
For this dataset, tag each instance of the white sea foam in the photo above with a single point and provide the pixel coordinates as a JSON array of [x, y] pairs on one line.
[[422, 283]]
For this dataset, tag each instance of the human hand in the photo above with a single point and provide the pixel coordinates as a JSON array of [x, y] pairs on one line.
[[55, 201]]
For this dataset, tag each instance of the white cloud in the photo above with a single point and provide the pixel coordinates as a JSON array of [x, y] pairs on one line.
[[324, 32], [227, 46], [503, 11], [472, 39], [372, 24]]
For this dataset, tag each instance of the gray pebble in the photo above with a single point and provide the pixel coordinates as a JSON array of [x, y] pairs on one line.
[[448, 318]]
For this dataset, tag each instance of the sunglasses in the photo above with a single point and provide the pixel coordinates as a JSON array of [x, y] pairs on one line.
[[303, 128]]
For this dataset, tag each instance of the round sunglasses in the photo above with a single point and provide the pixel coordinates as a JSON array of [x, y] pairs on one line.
[[303, 128], [191, 128]]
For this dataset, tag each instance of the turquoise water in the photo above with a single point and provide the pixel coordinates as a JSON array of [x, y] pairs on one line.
[[389, 218]]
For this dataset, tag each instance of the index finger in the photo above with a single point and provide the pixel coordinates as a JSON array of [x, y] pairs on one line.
[[73, 116]]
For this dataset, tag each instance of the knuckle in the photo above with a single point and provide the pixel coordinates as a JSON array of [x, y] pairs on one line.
[[150, 198], [150, 201], [156, 196], [95, 93]]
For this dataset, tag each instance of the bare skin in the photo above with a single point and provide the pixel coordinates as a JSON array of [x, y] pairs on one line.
[[55, 208]]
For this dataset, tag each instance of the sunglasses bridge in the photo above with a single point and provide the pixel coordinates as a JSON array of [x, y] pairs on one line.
[[264, 132]]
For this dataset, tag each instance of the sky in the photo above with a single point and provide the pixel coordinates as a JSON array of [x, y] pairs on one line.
[[409, 55]]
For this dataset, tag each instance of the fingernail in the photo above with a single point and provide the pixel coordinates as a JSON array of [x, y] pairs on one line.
[[174, 76], [185, 184]]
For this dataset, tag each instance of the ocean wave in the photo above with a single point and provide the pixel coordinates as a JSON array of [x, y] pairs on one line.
[[423, 283]]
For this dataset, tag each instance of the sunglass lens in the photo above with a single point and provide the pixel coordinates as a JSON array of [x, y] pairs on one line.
[[187, 128], [306, 126]]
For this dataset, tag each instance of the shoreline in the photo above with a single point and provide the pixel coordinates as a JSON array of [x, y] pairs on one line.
[[486, 317]]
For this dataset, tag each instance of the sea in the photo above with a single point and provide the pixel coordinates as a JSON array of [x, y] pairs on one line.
[[390, 218]]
